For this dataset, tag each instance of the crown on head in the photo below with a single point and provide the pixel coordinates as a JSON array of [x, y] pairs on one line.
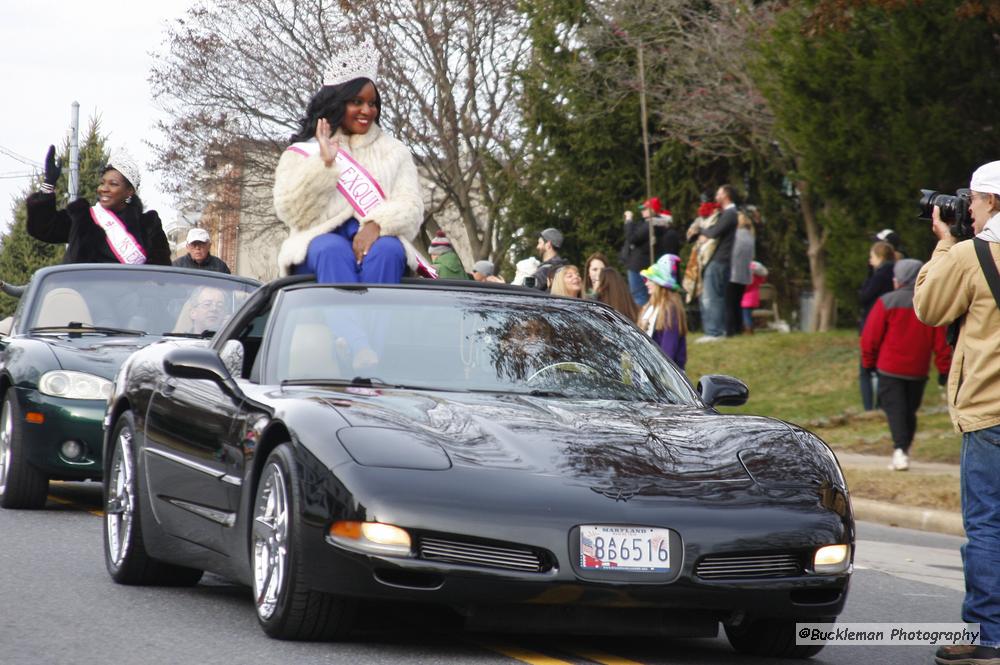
[[354, 62], [121, 161]]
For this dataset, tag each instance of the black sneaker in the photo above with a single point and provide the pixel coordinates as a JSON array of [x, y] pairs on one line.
[[967, 654]]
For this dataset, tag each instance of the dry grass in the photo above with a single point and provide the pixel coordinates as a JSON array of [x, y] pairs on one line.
[[906, 489]]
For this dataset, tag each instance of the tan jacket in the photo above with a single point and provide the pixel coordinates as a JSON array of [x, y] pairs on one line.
[[952, 284]]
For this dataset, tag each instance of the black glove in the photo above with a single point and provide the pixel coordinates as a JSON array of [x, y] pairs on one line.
[[53, 168], [942, 379]]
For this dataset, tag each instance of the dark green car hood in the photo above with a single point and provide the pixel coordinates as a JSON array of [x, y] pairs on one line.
[[101, 356]]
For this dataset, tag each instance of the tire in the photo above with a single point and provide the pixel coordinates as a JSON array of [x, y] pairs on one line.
[[124, 552], [21, 485], [286, 608], [773, 638]]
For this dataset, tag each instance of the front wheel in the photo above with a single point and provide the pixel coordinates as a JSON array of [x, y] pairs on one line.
[[21, 485], [771, 637], [286, 608], [124, 552]]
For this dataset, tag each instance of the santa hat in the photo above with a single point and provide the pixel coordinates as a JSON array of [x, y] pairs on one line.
[[440, 244], [707, 208]]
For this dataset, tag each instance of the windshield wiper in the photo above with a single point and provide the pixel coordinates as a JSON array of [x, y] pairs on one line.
[[202, 335], [363, 382], [544, 393], [74, 327]]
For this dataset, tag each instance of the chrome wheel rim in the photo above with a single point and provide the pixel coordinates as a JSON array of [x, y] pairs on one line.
[[121, 501], [270, 538], [6, 434]]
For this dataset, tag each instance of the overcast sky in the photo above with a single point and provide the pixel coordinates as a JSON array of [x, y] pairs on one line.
[[53, 53]]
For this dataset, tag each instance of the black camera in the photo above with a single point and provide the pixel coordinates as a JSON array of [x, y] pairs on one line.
[[954, 210]]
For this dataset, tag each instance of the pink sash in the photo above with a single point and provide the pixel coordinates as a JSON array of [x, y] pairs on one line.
[[356, 184], [122, 243]]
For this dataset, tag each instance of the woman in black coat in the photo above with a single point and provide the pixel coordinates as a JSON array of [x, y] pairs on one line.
[[882, 260], [114, 230]]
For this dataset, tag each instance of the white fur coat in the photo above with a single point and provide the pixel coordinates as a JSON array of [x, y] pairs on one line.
[[307, 201]]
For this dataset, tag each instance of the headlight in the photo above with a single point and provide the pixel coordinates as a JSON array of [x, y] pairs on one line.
[[370, 537], [832, 559], [74, 385]]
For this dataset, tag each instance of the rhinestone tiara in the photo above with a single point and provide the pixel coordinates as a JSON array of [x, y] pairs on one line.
[[354, 62]]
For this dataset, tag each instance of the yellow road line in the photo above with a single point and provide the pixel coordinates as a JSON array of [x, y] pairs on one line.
[[601, 657], [67, 502], [524, 655]]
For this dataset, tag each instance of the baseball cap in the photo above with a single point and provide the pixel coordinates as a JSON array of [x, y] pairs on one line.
[[483, 267], [554, 236], [198, 235], [986, 179], [889, 236]]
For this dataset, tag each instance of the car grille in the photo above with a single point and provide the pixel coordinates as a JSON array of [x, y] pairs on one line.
[[506, 557], [757, 566]]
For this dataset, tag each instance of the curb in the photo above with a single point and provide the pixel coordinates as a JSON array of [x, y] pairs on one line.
[[924, 519]]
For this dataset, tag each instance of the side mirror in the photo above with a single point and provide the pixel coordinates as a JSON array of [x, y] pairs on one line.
[[200, 363], [722, 390]]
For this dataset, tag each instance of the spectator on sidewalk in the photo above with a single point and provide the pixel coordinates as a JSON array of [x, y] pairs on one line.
[[635, 250], [612, 290], [740, 275], [751, 296], [549, 242], [482, 271], [663, 317], [567, 282], [891, 237], [953, 287], [199, 253], [444, 258], [592, 268], [881, 260], [525, 269], [717, 272], [897, 345]]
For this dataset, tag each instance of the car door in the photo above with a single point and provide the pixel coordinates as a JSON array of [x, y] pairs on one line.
[[190, 458]]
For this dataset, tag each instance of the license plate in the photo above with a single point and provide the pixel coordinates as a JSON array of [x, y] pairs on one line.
[[625, 548]]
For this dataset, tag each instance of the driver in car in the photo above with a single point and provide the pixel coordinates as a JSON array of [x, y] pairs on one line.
[[527, 346], [207, 309]]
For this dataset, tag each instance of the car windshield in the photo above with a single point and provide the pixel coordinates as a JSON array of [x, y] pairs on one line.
[[468, 341], [134, 302]]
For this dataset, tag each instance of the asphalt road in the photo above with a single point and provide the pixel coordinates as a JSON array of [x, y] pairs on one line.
[[59, 606]]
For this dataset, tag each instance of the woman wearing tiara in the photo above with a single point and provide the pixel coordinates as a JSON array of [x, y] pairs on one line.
[[348, 192], [114, 230]]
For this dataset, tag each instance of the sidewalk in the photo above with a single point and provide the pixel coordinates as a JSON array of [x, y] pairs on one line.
[[911, 517]]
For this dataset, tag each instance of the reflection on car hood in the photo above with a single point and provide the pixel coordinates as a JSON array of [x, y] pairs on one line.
[[95, 354], [577, 438]]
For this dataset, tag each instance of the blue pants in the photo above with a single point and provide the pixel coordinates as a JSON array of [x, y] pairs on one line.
[[637, 285], [981, 516], [713, 298], [331, 258]]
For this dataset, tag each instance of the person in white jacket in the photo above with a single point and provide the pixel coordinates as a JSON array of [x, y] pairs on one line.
[[348, 192]]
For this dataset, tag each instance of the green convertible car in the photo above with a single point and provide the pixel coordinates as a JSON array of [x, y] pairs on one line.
[[73, 328]]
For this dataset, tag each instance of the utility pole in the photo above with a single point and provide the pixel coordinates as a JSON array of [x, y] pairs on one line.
[[74, 151], [645, 149]]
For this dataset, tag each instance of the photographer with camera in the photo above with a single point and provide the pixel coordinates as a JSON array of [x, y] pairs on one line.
[[961, 284]]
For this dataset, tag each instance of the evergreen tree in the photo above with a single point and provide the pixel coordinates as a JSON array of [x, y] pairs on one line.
[[20, 254], [892, 100]]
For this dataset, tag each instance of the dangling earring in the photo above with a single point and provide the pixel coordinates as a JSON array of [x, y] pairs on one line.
[[128, 199]]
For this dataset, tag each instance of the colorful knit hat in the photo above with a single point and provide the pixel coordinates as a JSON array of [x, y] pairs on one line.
[[664, 272], [440, 244]]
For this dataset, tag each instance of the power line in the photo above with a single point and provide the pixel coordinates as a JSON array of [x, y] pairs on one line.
[[21, 158]]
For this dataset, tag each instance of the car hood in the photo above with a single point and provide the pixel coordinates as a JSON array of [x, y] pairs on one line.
[[101, 356], [594, 439]]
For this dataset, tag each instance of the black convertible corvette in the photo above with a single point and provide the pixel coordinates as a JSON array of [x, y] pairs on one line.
[[531, 461]]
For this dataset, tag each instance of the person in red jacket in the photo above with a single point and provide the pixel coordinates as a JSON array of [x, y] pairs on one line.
[[898, 345]]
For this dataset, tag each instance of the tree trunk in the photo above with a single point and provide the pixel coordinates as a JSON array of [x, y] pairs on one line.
[[823, 301]]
